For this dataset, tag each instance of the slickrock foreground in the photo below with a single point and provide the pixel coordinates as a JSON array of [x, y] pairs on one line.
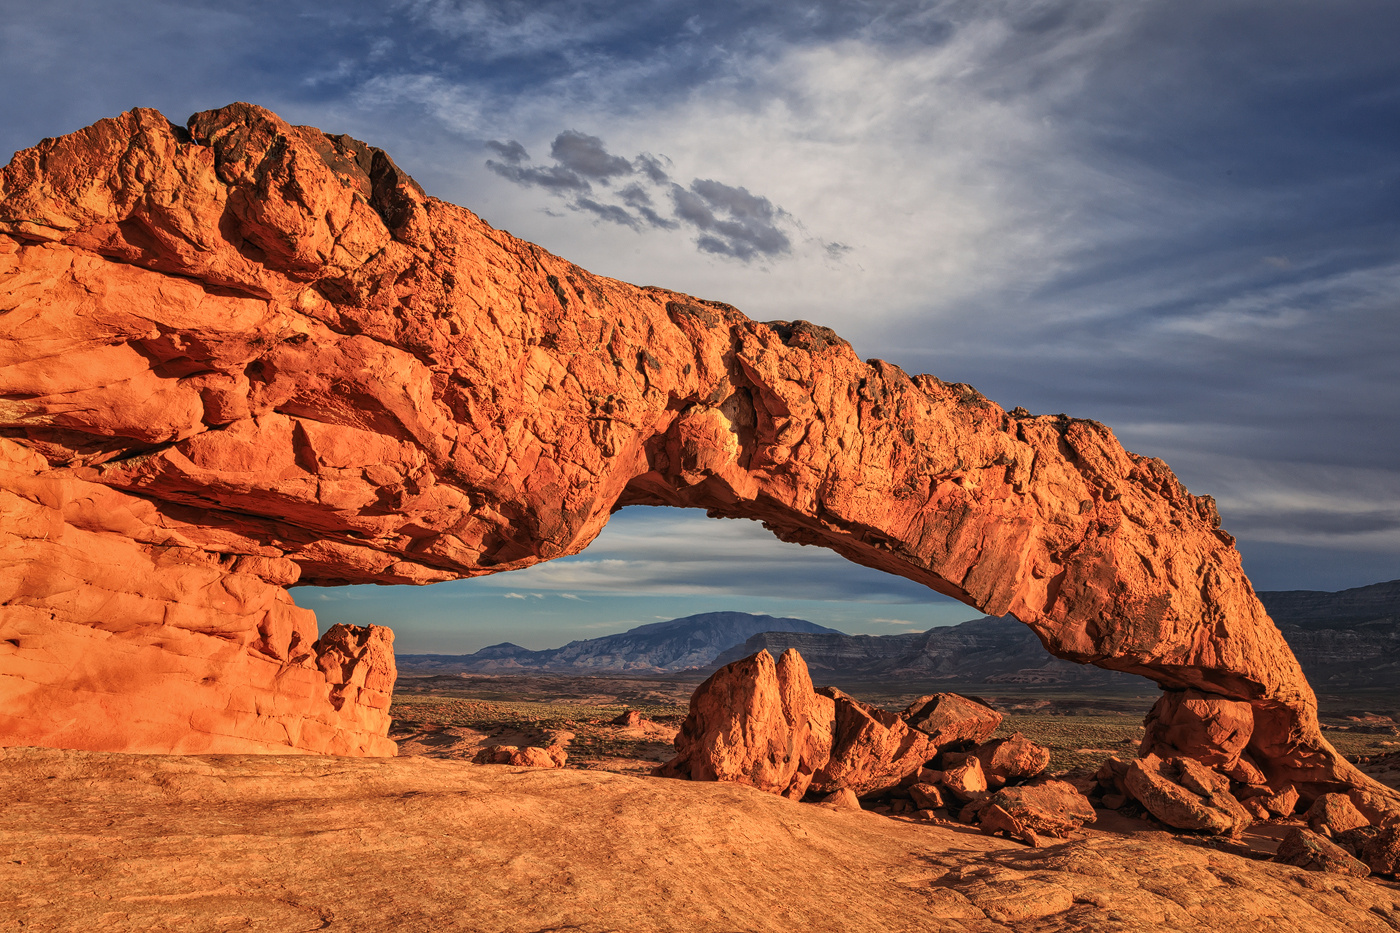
[[239, 355], [146, 844]]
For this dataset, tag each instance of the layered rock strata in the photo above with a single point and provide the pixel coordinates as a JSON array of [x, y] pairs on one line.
[[239, 354]]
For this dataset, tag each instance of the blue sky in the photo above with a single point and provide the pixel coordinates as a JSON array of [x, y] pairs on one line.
[[1178, 217]]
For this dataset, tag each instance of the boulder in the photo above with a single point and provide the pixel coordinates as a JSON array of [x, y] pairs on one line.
[[1111, 777], [1185, 794], [1255, 808], [1306, 849], [1334, 813], [950, 719], [1009, 761], [630, 719], [926, 796], [1212, 729], [971, 812], [1281, 803], [811, 718], [1377, 808], [1377, 846], [965, 779], [843, 799], [754, 722], [522, 756], [1264, 802], [872, 750], [1243, 771], [1029, 811]]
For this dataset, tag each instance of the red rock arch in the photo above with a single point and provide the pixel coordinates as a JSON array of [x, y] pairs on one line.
[[246, 354]]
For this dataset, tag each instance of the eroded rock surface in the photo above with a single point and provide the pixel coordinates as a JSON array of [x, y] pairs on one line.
[[948, 718], [1012, 759], [239, 354]]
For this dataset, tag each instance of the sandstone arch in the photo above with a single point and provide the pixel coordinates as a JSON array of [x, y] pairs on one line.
[[244, 354]]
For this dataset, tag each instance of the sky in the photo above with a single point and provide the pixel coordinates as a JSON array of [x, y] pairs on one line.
[[1177, 217]]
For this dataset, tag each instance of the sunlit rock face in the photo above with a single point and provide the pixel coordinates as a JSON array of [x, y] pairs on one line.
[[242, 354]]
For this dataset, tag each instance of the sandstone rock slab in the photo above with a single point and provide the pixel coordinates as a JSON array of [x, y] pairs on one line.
[[1183, 793], [1334, 813], [872, 750], [1012, 760], [951, 719], [755, 722], [1029, 811], [1306, 849]]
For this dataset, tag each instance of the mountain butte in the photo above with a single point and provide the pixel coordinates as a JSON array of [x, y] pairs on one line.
[[239, 354], [1345, 639], [679, 644]]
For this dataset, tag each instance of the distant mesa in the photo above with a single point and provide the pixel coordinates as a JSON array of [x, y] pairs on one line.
[[1348, 639], [238, 355]]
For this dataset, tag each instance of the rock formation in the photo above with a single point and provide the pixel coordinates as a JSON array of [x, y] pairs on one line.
[[1029, 811], [1184, 793], [239, 355], [757, 723], [1308, 850]]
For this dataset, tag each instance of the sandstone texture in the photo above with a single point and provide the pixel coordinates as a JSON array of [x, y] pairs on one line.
[[239, 354], [761, 724], [154, 844], [1334, 813], [1377, 846]]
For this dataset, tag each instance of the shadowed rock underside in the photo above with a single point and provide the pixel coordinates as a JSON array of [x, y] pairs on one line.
[[242, 355]]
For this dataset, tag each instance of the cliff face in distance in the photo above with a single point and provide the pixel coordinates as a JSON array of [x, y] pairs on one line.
[[240, 354]]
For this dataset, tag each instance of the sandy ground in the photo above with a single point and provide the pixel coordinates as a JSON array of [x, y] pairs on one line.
[[114, 842]]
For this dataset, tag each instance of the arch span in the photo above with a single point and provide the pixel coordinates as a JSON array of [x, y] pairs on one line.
[[242, 354]]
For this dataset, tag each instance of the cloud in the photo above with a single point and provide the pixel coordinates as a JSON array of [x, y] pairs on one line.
[[587, 156], [554, 177], [637, 198], [511, 151], [750, 227], [653, 168], [731, 221], [608, 212]]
